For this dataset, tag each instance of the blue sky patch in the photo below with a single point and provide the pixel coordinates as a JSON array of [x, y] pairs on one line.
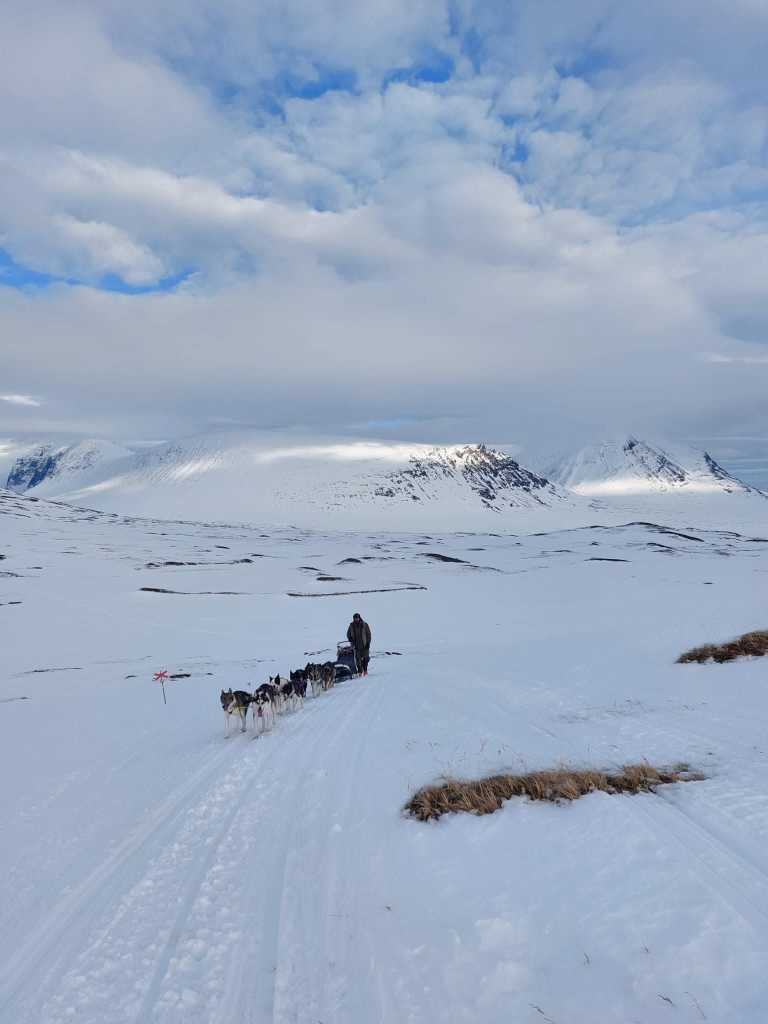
[[434, 67], [17, 275]]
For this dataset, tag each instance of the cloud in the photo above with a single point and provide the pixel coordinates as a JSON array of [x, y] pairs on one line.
[[481, 218], [20, 400], [719, 357]]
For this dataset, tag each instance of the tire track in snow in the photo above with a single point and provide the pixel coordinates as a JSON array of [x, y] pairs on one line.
[[38, 959]]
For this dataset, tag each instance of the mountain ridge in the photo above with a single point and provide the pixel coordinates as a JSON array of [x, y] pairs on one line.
[[311, 482], [630, 466], [247, 477]]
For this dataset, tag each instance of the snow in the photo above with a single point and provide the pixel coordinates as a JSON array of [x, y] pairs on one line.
[[247, 476], [244, 476], [50, 467], [152, 871], [631, 467]]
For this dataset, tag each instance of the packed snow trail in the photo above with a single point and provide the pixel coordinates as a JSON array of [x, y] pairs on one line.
[[199, 893]]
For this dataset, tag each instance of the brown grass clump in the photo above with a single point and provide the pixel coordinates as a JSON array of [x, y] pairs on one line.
[[748, 645], [484, 796]]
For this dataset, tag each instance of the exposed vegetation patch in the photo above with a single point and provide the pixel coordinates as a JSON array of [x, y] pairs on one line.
[[38, 671], [436, 556], [194, 593], [669, 532], [346, 593], [484, 796], [748, 645], [162, 565]]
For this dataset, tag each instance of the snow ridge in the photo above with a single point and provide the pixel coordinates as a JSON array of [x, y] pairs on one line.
[[30, 470], [631, 466], [269, 478], [491, 474], [47, 462]]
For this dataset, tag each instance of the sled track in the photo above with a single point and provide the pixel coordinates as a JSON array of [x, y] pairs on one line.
[[299, 875], [733, 877], [185, 921], [36, 959]]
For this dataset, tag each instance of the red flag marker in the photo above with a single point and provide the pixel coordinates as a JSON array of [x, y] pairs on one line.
[[160, 677]]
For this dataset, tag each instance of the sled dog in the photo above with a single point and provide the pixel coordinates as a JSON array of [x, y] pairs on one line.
[[264, 710], [235, 704]]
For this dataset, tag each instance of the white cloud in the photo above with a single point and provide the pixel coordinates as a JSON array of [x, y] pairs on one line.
[[719, 357], [20, 400], [557, 231]]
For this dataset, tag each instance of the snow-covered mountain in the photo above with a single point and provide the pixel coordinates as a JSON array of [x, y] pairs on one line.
[[264, 478], [346, 484], [48, 468], [631, 467]]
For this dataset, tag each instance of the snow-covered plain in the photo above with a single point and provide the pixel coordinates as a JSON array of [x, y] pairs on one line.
[[152, 871]]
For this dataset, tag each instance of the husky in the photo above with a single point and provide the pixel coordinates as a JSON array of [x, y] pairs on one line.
[[314, 673], [299, 683], [235, 704], [289, 693], [264, 709], [283, 691], [322, 677], [329, 675]]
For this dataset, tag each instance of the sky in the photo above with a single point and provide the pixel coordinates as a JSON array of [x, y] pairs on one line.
[[519, 221]]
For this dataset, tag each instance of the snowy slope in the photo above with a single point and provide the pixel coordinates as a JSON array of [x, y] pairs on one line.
[[11, 450], [344, 484], [633, 479], [151, 871], [48, 468], [257, 477], [629, 466]]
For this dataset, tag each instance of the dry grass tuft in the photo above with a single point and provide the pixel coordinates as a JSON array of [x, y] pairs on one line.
[[748, 645], [484, 796]]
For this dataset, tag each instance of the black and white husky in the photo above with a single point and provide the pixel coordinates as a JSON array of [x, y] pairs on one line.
[[290, 693], [264, 707], [235, 703]]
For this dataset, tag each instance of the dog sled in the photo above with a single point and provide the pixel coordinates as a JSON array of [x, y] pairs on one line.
[[346, 664]]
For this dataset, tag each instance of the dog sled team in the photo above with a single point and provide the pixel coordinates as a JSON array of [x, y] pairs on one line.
[[287, 693]]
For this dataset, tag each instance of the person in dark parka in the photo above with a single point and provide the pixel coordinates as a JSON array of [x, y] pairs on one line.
[[359, 635]]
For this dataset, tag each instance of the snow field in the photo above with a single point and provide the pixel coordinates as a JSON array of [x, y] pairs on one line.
[[151, 871]]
